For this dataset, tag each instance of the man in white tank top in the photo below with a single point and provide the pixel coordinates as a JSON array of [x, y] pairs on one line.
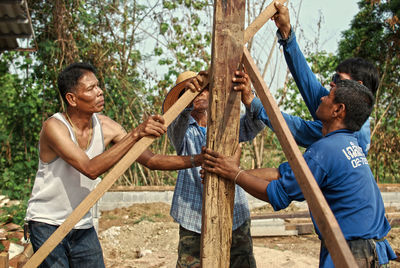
[[72, 156]]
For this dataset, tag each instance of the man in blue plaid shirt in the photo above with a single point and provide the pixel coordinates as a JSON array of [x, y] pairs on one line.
[[187, 133]]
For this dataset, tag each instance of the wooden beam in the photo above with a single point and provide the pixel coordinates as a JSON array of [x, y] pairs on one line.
[[136, 150], [326, 221], [4, 259], [222, 130], [261, 19]]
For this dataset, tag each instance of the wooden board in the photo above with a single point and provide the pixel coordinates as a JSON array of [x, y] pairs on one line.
[[222, 130]]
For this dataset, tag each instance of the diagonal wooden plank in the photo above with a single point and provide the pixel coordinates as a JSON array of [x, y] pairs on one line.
[[261, 19], [80, 211], [326, 221]]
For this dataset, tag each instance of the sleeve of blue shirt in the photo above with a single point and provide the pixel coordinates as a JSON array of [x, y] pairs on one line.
[[310, 88], [250, 124], [304, 132], [177, 129], [283, 191]]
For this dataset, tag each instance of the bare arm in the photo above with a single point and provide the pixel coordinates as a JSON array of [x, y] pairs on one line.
[[55, 141], [253, 181], [168, 162]]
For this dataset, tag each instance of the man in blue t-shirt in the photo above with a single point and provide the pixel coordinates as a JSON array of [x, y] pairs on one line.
[[307, 132], [341, 170]]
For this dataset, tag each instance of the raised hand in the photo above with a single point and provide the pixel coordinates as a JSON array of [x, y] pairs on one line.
[[282, 20], [242, 81], [197, 82]]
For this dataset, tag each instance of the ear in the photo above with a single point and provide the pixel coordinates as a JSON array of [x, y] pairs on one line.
[[71, 98], [339, 111]]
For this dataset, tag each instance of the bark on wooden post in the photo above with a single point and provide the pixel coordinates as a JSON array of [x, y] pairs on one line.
[[223, 130]]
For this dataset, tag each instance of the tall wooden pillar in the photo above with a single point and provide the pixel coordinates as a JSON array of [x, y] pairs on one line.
[[222, 130]]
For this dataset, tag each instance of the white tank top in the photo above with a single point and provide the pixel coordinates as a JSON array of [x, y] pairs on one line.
[[59, 188]]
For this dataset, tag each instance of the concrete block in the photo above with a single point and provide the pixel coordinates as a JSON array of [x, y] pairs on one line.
[[270, 227]]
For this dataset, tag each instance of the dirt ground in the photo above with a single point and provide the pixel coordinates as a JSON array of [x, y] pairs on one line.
[[144, 235]]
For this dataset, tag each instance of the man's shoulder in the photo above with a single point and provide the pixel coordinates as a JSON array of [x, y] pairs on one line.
[[107, 122], [53, 122]]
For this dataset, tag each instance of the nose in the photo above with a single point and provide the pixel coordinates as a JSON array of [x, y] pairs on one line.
[[100, 91], [332, 84], [204, 92]]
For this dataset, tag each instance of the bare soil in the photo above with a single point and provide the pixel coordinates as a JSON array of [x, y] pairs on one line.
[[144, 235]]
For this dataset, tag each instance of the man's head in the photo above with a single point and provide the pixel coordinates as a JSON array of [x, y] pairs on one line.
[[360, 70], [186, 80], [348, 101], [68, 79]]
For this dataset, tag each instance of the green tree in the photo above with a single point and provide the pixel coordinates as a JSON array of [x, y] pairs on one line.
[[374, 34]]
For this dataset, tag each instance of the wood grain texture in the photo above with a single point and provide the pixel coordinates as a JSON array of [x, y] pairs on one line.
[[222, 130]]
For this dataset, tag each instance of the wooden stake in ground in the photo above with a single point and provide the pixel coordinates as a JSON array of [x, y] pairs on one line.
[[222, 130]]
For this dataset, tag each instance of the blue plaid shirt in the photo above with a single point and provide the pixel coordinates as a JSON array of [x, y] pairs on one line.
[[187, 137]]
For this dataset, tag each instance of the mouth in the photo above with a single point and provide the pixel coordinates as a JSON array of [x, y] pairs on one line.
[[200, 101]]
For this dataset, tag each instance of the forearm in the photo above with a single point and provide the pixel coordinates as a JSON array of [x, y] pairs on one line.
[[304, 132], [267, 174], [253, 185], [168, 162], [309, 86], [103, 162]]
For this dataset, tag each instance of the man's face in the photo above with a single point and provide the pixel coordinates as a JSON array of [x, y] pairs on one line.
[[89, 96], [200, 103], [327, 106]]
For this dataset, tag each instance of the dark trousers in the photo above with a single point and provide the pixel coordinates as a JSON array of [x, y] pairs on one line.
[[241, 248]]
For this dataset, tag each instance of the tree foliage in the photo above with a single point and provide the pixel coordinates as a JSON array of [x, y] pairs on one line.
[[124, 40], [374, 34]]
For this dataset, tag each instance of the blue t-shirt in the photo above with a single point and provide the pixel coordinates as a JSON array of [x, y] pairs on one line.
[[342, 172]]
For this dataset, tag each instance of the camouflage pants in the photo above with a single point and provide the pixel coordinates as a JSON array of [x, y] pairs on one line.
[[364, 253], [241, 248]]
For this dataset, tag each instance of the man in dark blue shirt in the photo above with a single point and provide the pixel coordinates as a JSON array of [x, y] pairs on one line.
[[307, 132], [341, 171]]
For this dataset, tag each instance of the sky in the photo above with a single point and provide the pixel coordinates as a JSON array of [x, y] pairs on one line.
[[337, 17]]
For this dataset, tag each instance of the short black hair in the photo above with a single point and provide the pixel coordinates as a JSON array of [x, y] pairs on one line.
[[358, 100], [69, 77], [361, 69]]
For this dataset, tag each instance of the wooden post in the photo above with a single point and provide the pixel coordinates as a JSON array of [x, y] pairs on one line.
[[4, 259], [222, 130], [326, 221]]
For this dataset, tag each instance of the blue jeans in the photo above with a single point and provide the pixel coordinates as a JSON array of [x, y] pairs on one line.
[[79, 249]]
